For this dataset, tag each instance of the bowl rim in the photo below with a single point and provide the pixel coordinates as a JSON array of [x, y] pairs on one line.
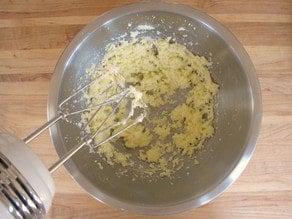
[[238, 50]]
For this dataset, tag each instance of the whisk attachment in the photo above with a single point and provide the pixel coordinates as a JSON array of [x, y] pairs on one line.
[[104, 131], [113, 108]]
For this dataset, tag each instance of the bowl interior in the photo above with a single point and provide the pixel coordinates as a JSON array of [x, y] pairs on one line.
[[234, 112]]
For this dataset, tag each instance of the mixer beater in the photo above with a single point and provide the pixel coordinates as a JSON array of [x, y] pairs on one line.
[[26, 185]]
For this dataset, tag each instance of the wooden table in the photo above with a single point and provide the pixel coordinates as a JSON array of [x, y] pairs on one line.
[[33, 35]]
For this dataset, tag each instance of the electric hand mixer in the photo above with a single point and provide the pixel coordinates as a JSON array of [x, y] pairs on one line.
[[26, 185]]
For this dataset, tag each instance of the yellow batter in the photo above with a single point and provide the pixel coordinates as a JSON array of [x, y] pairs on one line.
[[179, 91]]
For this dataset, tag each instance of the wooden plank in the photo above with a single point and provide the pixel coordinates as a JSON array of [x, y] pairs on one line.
[[83, 20], [44, 37], [24, 62], [91, 7]]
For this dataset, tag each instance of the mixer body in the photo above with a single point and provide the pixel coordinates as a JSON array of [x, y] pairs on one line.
[[26, 186]]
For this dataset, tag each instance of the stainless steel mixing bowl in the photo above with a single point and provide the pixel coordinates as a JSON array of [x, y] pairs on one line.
[[238, 114]]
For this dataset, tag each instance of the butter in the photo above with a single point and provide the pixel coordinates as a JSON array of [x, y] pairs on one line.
[[156, 70]]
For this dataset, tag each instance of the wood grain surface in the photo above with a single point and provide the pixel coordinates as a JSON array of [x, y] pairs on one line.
[[34, 33]]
